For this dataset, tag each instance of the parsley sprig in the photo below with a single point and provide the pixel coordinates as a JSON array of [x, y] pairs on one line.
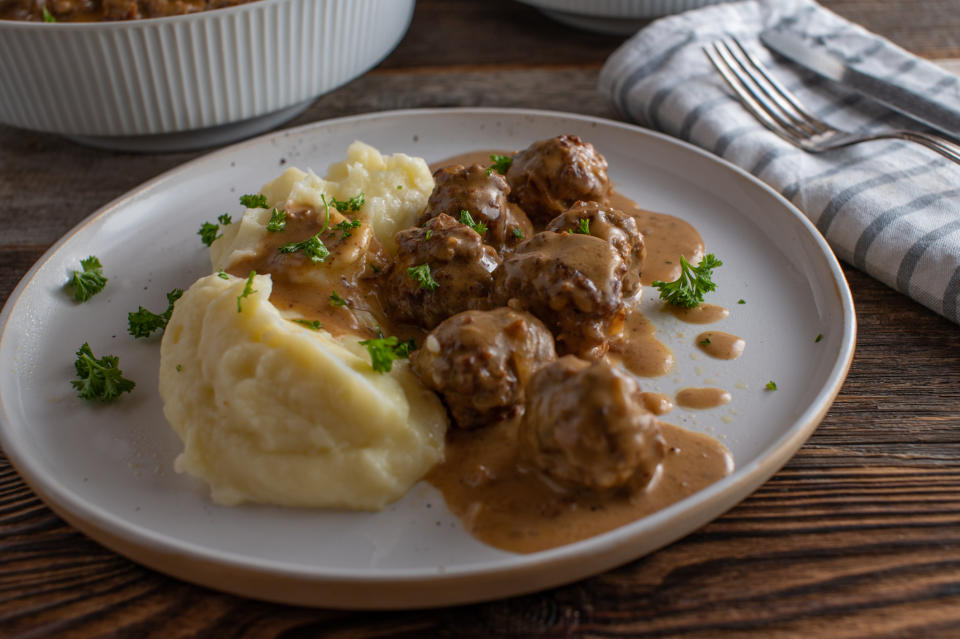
[[421, 274], [99, 379], [247, 291], [583, 226], [88, 282], [208, 230], [142, 322], [353, 204], [694, 281], [347, 227], [501, 164], [384, 350], [254, 201], [336, 300], [313, 325], [278, 221], [312, 247], [466, 218]]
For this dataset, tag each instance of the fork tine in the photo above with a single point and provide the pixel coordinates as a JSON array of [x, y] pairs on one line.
[[741, 84], [775, 90]]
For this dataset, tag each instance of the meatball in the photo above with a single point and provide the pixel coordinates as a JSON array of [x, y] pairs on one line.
[[440, 269], [586, 427], [616, 227], [573, 283], [547, 177], [480, 361], [484, 195]]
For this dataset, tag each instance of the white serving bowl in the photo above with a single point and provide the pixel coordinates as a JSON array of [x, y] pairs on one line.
[[620, 17], [189, 81]]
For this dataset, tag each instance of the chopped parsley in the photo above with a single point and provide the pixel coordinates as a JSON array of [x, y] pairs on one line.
[[518, 233], [771, 385], [223, 275], [705, 341], [208, 230], [47, 16], [142, 323], [694, 281], [819, 337], [254, 201], [422, 275], [278, 221], [399, 187], [466, 218], [313, 325], [336, 300], [741, 301], [347, 227], [384, 350], [99, 379], [428, 234], [583, 226], [312, 247], [88, 282], [247, 291], [501, 164], [353, 204]]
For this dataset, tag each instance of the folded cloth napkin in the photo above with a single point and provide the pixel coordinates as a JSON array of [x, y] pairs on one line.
[[890, 208]]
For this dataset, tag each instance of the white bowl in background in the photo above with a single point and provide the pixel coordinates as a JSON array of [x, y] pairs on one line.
[[618, 17], [194, 80]]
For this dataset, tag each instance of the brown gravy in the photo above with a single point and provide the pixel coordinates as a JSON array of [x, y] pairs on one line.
[[703, 314], [701, 398], [508, 506], [721, 345]]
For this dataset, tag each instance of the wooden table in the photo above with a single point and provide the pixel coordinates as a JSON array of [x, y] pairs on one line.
[[859, 535]]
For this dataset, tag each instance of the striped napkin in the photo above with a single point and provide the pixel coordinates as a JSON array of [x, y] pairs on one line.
[[889, 208]]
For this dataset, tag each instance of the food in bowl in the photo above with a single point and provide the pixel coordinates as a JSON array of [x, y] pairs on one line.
[[105, 10], [359, 333]]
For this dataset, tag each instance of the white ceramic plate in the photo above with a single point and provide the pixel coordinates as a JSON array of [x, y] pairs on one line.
[[108, 469], [620, 17]]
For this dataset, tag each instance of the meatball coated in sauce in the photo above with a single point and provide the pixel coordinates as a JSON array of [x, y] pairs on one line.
[[460, 263], [549, 176], [586, 427], [480, 361], [619, 229], [484, 194], [573, 283]]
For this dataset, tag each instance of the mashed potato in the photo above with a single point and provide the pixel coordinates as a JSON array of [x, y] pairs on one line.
[[395, 189], [271, 411]]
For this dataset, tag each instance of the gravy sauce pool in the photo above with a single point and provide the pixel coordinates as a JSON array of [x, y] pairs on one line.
[[510, 507]]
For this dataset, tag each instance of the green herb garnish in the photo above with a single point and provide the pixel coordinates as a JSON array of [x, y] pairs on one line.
[[384, 350], [353, 204], [88, 282], [278, 221], [466, 218], [518, 233], [583, 226], [771, 385], [313, 325], [254, 201], [422, 275], [142, 323], [223, 275], [688, 290], [47, 16], [247, 291], [705, 341], [312, 247], [741, 301], [99, 379], [336, 300], [819, 337], [428, 234], [347, 228], [501, 164]]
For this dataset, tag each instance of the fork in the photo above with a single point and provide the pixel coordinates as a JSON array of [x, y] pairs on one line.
[[780, 111]]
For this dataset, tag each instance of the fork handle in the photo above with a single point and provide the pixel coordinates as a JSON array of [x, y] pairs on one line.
[[942, 146]]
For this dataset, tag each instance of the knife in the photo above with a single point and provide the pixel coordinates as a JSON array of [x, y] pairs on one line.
[[910, 104]]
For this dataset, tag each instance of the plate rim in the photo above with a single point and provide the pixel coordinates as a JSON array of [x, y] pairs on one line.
[[105, 527]]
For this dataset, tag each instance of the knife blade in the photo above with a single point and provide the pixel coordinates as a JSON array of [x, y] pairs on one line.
[[913, 105]]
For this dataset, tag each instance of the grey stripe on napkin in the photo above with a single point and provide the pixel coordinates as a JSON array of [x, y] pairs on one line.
[[892, 209]]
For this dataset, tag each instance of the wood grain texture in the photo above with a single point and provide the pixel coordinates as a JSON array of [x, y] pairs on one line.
[[858, 536]]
